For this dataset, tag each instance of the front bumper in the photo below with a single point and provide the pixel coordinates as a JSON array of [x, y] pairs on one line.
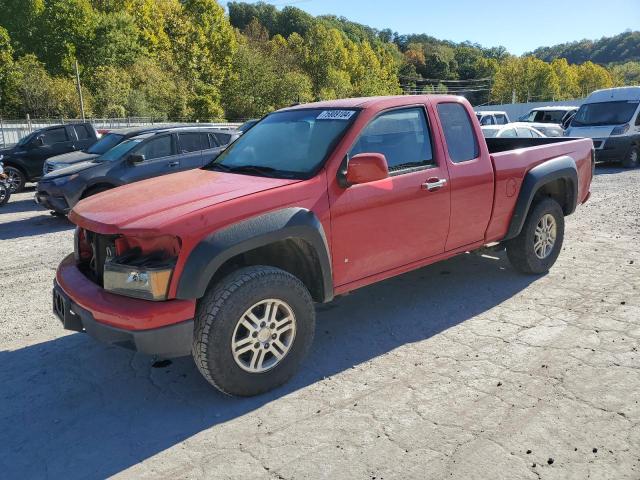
[[154, 328], [50, 202], [613, 149]]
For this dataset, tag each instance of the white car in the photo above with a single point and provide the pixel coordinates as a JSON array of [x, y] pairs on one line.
[[486, 117], [511, 130], [547, 129]]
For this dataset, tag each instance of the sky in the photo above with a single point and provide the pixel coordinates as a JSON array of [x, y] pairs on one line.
[[519, 25]]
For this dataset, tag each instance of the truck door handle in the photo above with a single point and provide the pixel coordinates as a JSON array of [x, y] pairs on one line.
[[434, 184], [174, 164]]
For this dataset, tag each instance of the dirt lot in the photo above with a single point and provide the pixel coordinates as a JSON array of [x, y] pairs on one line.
[[464, 369]]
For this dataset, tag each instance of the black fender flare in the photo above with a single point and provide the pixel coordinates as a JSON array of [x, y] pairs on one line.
[[215, 249], [560, 168]]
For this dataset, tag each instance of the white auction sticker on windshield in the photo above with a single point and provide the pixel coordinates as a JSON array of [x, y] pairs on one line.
[[336, 115]]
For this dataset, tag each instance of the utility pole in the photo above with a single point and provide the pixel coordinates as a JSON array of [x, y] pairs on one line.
[[79, 91]]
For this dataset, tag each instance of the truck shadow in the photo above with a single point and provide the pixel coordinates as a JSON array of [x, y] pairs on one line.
[[72, 408]]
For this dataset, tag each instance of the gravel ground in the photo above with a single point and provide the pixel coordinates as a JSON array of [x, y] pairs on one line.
[[463, 370]]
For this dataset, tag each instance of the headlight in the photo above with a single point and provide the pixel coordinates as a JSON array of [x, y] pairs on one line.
[[58, 182], [620, 129], [145, 277]]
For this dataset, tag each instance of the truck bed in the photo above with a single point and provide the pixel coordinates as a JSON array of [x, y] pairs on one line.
[[512, 158]]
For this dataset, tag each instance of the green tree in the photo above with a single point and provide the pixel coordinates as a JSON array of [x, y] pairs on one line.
[[592, 77]]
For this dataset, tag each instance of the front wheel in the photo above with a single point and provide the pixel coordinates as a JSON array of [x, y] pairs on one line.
[[632, 159], [537, 247], [252, 330], [16, 179]]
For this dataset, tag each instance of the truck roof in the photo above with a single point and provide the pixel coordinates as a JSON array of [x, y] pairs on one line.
[[614, 94], [371, 102]]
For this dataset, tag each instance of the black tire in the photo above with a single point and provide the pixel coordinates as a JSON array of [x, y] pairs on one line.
[[521, 251], [221, 309], [632, 158], [17, 178], [5, 193]]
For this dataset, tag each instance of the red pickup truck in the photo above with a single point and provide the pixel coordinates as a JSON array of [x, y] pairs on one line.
[[225, 263]]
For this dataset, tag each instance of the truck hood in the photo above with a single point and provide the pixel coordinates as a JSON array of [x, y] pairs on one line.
[[71, 157], [599, 131], [151, 203]]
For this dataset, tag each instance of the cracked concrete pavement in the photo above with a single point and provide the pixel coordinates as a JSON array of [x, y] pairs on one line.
[[464, 370]]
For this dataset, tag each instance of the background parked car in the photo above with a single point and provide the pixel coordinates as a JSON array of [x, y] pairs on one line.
[[23, 162], [552, 114], [150, 154], [108, 140], [511, 130], [492, 118]]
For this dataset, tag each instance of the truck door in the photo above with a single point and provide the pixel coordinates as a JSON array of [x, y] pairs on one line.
[[49, 143], [390, 223], [470, 175]]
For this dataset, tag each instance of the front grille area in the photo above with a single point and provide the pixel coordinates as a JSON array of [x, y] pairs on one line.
[[100, 248]]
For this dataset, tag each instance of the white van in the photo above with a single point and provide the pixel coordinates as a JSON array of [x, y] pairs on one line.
[[611, 118]]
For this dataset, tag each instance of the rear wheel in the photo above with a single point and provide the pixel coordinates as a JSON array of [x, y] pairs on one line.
[[537, 247], [16, 179], [632, 159], [252, 330]]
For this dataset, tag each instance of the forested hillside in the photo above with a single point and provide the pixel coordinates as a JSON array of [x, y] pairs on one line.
[[618, 49], [189, 59]]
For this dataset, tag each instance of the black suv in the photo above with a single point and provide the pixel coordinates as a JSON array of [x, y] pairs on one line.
[[23, 162], [150, 154]]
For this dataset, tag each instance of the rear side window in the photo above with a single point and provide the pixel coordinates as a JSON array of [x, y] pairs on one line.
[[55, 135], [156, 148], [81, 132], [190, 142], [458, 132], [402, 136], [222, 138], [213, 141], [501, 119], [508, 133]]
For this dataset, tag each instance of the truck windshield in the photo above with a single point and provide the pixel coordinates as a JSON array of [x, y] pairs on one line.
[[290, 144], [120, 150], [605, 113], [106, 143]]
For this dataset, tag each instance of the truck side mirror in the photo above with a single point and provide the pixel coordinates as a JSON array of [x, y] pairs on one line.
[[367, 167], [39, 141], [136, 158]]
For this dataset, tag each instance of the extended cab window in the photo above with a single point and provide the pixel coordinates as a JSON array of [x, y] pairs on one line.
[[458, 132], [402, 136], [156, 148], [55, 135], [81, 132]]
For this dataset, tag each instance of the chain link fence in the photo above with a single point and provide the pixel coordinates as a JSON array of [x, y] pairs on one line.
[[13, 130]]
